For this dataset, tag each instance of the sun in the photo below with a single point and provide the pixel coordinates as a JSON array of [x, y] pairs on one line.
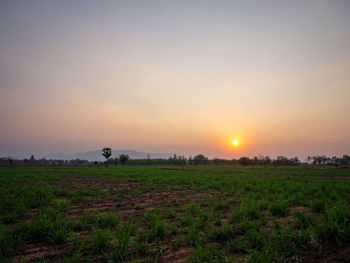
[[235, 142]]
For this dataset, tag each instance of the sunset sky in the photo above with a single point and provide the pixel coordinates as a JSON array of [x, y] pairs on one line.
[[183, 77]]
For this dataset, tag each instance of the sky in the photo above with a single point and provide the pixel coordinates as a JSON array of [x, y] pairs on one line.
[[183, 77]]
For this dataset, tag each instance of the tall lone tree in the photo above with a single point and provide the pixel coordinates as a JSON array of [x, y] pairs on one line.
[[107, 152]]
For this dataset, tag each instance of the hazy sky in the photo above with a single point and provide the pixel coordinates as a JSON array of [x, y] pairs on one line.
[[183, 77]]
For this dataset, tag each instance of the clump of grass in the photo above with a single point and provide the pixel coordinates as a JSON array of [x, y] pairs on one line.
[[109, 220], [61, 205], [142, 247], [222, 234], [335, 225], [156, 224], [244, 226], [279, 208], [10, 241], [235, 245], [41, 196], [78, 247], [204, 254], [205, 217], [171, 214], [220, 205], [76, 225], [302, 239], [281, 241], [318, 205], [120, 251], [250, 209], [266, 255], [48, 226], [90, 218], [303, 221], [193, 208], [101, 241], [255, 239]]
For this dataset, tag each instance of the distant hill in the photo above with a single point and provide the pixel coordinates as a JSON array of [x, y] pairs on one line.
[[97, 155]]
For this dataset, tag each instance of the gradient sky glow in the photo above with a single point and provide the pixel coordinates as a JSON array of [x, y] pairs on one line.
[[181, 77]]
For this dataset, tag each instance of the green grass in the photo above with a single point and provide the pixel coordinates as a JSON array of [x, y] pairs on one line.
[[100, 241], [156, 224], [248, 213]]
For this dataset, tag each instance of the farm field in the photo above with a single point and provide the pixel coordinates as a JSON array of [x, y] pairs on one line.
[[174, 214]]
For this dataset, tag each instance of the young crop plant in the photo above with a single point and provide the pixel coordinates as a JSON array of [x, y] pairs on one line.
[[266, 255], [318, 205], [334, 225], [101, 241], [78, 247], [236, 245], [10, 241], [122, 239], [62, 206], [279, 208], [302, 239], [244, 226], [255, 239], [108, 220], [304, 221], [48, 226], [157, 225], [222, 234], [204, 254], [90, 219]]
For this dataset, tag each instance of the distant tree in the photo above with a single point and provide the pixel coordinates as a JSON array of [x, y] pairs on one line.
[[190, 161], [175, 159], [244, 161], [32, 159], [181, 160], [123, 158], [11, 160], [308, 159], [296, 160], [319, 160], [107, 152], [216, 161], [346, 159], [282, 160], [200, 159], [267, 160], [148, 159]]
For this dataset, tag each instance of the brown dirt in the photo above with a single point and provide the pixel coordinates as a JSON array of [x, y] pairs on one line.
[[176, 255], [328, 254], [136, 205], [35, 251]]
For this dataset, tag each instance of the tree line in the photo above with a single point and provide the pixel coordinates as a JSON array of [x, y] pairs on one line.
[[199, 159]]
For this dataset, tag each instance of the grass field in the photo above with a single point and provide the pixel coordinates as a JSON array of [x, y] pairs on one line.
[[175, 214]]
